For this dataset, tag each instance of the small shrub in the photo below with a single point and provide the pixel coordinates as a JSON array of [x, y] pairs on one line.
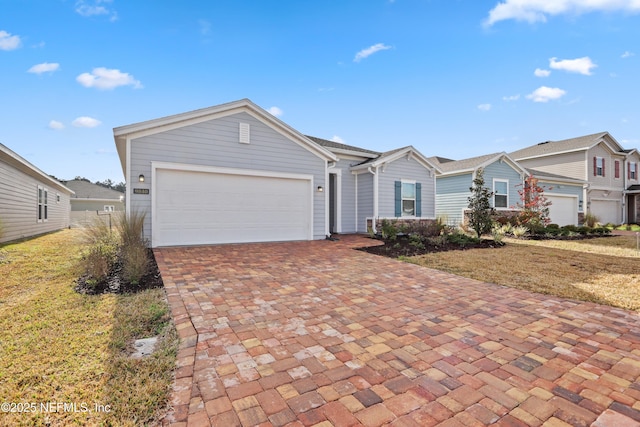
[[415, 240], [462, 239], [571, 228], [101, 253], [424, 229], [506, 228], [497, 232], [584, 230], [389, 230], [553, 226], [519, 231], [590, 220]]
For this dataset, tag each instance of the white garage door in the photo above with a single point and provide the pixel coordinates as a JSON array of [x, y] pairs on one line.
[[563, 210], [607, 211], [194, 207]]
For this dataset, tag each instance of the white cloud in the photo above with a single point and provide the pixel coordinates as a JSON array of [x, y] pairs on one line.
[[55, 125], [511, 98], [275, 111], [533, 11], [579, 65], [86, 122], [539, 72], [95, 8], [337, 139], [364, 53], [484, 107], [205, 27], [105, 78], [9, 42], [545, 94], [45, 67], [627, 54]]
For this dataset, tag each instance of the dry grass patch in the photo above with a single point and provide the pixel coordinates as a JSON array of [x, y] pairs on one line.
[[60, 346], [623, 246], [538, 267]]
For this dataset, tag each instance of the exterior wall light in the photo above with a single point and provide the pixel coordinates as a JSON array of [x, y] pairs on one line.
[[320, 189], [141, 178]]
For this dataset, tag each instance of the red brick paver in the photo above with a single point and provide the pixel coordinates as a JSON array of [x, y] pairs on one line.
[[317, 333]]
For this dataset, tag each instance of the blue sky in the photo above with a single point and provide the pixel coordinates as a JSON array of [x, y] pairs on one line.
[[454, 78]]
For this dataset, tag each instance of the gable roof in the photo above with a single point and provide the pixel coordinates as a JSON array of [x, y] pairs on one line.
[[150, 127], [392, 155], [12, 158], [472, 164], [340, 148], [88, 190], [580, 143]]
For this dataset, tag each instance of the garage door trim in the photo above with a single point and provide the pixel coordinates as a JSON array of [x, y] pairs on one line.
[[155, 166]]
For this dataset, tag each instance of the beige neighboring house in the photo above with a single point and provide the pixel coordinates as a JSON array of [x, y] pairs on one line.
[[31, 202], [610, 172], [91, 200]]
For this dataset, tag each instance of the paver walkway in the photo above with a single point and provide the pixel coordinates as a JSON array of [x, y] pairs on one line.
[[316, 333]]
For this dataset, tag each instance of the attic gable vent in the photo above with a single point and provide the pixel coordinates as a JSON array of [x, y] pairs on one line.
[[245, 134]]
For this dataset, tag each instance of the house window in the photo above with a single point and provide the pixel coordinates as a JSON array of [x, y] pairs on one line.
[[598, 166], [109, 208], [43, 204], [633, 171], [408, 198], [616, 169], [500, 193]]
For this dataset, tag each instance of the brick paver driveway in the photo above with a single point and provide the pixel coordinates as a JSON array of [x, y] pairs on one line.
[[316, 333]]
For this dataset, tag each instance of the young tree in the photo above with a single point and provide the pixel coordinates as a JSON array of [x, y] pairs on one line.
[[480, 210], [534, 206]]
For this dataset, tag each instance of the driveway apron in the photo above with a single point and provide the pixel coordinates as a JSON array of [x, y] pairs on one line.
[[318, 333]]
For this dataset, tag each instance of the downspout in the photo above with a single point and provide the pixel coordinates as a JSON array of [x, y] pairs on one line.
[[375, 197]]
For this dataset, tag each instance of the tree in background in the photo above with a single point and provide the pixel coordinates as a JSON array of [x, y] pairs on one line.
[[533, 205], [480, 210]]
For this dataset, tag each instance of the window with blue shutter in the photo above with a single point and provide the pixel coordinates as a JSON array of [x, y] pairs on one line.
[[398, 198], [418, 199]]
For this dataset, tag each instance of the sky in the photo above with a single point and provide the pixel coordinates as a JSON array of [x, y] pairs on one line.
[[453, 78]]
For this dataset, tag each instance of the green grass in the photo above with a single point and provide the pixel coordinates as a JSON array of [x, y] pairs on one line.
[[59, 346]]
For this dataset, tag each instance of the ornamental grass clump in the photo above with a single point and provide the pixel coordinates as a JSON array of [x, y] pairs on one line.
[[101, 254], [134, 253]]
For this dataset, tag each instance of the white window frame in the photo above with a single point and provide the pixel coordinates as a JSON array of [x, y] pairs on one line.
[[495, 193], [403, 198], [599, 166], [633, 171], [42, 204], [109, 208]]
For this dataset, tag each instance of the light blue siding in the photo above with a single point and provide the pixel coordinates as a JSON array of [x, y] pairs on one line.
[[409, 169], [216, 143], [365, 200], [503, 171], [452, 197]]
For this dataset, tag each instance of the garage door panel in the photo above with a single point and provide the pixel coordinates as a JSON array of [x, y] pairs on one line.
[[607, 211], [563, 210], [205, 208]]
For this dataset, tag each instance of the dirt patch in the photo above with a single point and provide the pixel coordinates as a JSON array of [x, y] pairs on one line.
[[403, 246], [115, 284]]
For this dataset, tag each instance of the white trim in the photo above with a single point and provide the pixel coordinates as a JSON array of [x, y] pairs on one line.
[[494, 193], [129, 179], [227, 171], [402, 199], [356, 201], [375, 196], [89, 199]]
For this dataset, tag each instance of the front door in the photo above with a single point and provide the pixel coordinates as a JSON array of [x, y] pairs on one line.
[[333, 205]]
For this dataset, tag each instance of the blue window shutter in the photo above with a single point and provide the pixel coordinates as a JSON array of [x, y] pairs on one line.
[[418, 199], [398, 198]]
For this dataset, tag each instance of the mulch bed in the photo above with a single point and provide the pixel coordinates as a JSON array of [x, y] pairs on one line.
[[403, 247], [115, 284]]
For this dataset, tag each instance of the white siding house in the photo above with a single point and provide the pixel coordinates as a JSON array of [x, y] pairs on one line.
[[31, 202]]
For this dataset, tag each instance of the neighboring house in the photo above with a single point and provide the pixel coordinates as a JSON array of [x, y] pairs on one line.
[[632, 186], [502, 175], [31, 202], [566, 196], [235, 173], [91, 198], [371, 186], [609, 172]]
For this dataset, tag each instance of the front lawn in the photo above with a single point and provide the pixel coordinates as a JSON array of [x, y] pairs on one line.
[[66, 352], [603, 270]]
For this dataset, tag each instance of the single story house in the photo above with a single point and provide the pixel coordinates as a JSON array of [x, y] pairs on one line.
[[31, 202], [610, 172], [235, 173], [90, 198], [502, 175]]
